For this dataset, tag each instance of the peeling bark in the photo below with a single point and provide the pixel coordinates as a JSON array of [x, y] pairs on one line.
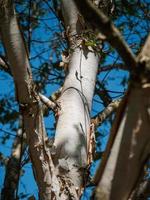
[[73, 125], [29, 102]]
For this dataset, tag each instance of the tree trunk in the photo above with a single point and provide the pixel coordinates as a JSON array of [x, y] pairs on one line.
[[130, 150], [73, 124], [28, 99]]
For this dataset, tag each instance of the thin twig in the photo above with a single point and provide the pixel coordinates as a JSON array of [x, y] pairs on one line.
[[101, 117], [120, 66], [4, 66]]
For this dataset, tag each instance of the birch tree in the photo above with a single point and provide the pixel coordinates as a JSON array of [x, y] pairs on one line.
[[61, 166]]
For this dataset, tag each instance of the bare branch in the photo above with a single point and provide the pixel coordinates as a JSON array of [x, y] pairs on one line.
[[128, 146], [28, 100], [3, 159], [106, 27], [16, 52], [102, 116], [50, 104], [4, 66], [129, 149], [114, 129], [56, 94], [144, 56], [13, 166], [101, 91], [111, 67], [145, 52]]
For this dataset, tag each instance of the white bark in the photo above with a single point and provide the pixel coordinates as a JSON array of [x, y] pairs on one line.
[[12, 36], [130, 152], [127, 159], [30, 106], [76, 98], [104, 187], [75, 101]]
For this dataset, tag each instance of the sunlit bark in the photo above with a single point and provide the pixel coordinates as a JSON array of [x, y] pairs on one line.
[[73, 123], [130, 149], [30, 105]]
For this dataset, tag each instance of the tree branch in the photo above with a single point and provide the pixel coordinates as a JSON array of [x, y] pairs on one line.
[[114, 129], [28, 99], [3, 159], [13, 167], [106, 27], [144, 56], [129, 150], [121, 66], [102, 92], [4, 66], [50, 104], [145, 52], [102, 116]]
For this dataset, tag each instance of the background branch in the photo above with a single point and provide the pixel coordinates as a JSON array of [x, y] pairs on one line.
[[102, 116]]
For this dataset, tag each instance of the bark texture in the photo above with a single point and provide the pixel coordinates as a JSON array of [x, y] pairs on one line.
[[73, 125], [130, 150], [30, 105]]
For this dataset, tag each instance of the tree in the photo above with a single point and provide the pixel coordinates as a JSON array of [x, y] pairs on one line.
[[61, 165]]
